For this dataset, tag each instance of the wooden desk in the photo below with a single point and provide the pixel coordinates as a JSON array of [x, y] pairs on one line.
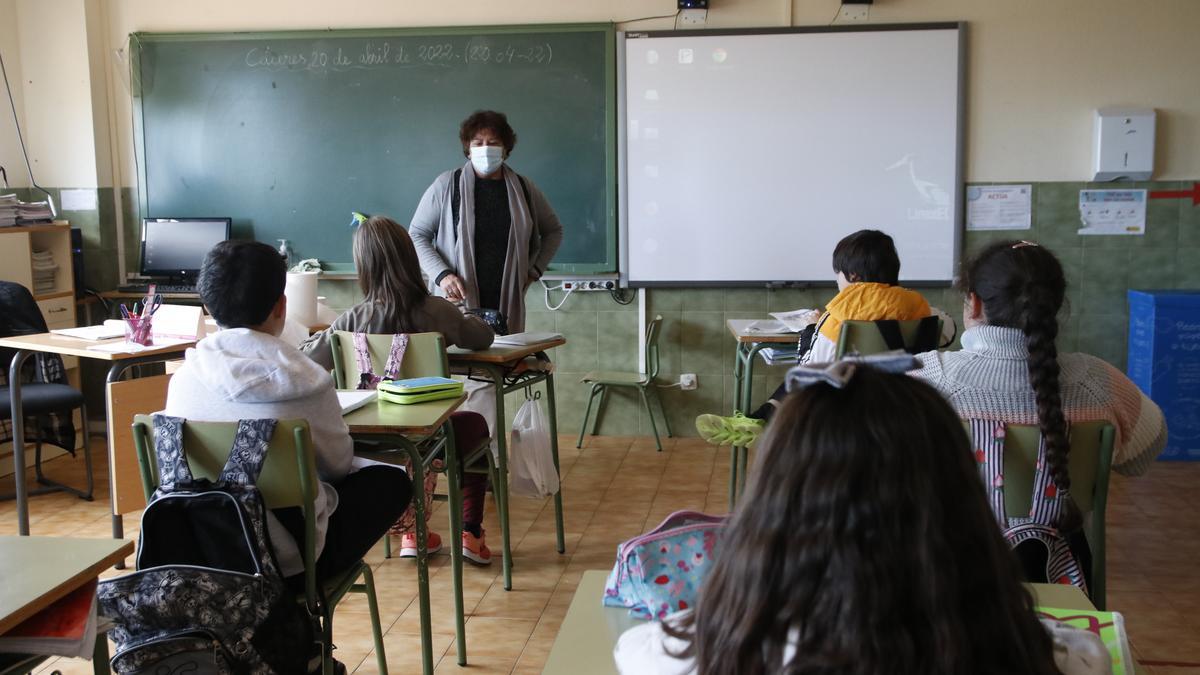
[[26, 345], [410, 429], [497, 362], [589, 632], [40, 570], [749, 344]]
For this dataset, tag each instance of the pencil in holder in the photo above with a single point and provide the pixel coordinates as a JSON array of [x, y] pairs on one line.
[[138, 331]]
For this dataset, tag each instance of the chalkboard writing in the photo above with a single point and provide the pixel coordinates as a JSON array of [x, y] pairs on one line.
[[287, 133]]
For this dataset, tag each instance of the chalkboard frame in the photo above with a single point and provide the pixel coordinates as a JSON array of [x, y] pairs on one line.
[[610, 261]]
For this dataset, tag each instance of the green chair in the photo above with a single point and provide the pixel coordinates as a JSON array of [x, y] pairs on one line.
[[867, 337], [289, 478], [601, 380], [425, 356], [1090, 461]]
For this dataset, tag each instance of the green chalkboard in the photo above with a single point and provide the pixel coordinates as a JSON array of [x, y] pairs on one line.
[[287, 133]]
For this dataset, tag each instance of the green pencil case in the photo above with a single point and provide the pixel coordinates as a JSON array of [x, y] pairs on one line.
[[419, 390]]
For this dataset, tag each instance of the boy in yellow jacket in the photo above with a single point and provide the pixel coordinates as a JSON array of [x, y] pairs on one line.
[[867, 270]]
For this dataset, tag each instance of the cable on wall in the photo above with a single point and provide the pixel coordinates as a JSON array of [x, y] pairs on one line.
[[12, 103]]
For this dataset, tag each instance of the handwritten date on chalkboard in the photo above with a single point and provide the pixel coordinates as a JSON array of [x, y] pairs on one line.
[[387, 54]]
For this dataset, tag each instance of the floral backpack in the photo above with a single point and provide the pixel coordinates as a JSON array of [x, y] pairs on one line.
[[207, 597], [661, 572], [1037, 528]]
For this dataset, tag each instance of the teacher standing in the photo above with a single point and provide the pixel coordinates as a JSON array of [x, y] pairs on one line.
[[483, 232]]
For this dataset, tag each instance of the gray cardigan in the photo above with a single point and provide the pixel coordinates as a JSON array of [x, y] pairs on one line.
[[433, 233]]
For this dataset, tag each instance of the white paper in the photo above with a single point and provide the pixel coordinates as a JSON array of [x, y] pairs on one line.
[[770, 328], [797, 319], [352, 400], [1112, 211], [78, 200], [178, 321], [999, 207], [123, 347]]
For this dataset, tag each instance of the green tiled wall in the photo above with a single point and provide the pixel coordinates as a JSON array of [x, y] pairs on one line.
[[602, 334]]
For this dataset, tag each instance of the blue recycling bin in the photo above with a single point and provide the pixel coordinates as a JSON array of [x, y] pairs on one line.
[[1164, 360]]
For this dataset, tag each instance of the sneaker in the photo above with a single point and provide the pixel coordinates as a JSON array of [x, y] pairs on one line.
[[737, 430], [474, 548], [408, 544]]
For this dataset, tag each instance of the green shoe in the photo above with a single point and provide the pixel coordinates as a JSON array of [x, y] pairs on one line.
[[738, 430]]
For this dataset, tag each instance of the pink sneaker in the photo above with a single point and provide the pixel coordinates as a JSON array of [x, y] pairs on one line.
[[408, 544], [474, 548]]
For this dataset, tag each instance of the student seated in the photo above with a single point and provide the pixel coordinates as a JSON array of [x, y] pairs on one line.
[[1009, 371], [864, 544], [396, 300], [867, 269], [245, 371]]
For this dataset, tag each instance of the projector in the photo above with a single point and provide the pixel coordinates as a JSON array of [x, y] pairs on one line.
[[693, 4]]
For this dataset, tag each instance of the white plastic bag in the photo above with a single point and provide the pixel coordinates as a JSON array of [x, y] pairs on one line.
[[530, 464]]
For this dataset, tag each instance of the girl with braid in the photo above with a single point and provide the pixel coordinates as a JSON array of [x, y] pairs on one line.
[[1009, 371]]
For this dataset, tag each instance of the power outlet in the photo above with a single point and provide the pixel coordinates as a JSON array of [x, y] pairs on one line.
[[693, 17], [687, 381], [854, 12]]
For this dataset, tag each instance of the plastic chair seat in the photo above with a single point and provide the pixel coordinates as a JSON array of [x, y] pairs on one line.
[[615, 378], [39, 398]]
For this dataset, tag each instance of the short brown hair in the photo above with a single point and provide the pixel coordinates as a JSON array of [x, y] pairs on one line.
[[496, 122]]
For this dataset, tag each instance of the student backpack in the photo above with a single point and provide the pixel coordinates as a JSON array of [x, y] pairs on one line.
[[207, 596], [1033, 535]]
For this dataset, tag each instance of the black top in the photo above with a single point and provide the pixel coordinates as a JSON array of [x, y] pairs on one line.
[[493, 222]]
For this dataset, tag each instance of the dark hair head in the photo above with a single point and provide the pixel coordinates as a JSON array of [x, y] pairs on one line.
[[496, 122], [241, 281], [868, 255], [389, 273], [866, 534], [1021, 285]]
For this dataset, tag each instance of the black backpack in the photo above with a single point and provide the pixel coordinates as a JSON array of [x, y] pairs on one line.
[[207, 596]]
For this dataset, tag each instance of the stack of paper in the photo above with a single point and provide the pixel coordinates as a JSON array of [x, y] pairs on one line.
[[44, 271], [65, 628], [33, 212], [8, 210], [775, 356], [524, 339]]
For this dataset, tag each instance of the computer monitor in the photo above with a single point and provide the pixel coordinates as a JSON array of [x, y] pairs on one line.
[[174, 248]]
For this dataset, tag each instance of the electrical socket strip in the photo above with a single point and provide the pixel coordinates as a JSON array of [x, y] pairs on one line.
[[589, 285]]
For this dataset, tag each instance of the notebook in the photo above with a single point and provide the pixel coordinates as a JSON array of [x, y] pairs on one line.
[[523, 339], [352, 400], [111, 328], [1109, 626]]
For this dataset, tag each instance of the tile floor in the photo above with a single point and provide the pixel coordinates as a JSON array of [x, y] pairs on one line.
[[617, 487]]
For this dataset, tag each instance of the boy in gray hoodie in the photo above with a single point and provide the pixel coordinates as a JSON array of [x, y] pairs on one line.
[[245, 371]]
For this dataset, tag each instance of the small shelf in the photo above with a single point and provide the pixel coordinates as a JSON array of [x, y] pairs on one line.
[[53, 296], [46, 227]]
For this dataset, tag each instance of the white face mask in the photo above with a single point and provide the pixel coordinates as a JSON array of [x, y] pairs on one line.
[[487, 158]]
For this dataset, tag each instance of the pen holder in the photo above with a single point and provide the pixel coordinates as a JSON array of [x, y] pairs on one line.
[[137, 330]]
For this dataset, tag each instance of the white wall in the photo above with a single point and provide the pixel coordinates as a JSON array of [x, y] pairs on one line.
[[57, 88], [1036, 68], [10, 49]]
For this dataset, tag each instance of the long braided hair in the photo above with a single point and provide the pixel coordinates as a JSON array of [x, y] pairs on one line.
[[1021, 285]]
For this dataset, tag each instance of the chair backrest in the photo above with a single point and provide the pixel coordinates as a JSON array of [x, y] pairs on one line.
[[864, 337], [1089, 462], [424, 357], [289, 474], [653, 331]]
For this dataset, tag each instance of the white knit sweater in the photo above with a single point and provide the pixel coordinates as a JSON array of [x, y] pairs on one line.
[[989, 379]]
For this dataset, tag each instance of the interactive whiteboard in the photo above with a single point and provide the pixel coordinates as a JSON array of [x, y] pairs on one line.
[[747, 155]]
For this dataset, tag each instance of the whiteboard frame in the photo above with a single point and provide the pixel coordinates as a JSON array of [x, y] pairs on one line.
[[623, 152]]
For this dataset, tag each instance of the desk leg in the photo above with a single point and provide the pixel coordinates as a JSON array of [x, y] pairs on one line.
[[743, 393], [18, 440], [558, 505], [418, 481], [738, 373], [496, 373], [454, 488], [118, 524]]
